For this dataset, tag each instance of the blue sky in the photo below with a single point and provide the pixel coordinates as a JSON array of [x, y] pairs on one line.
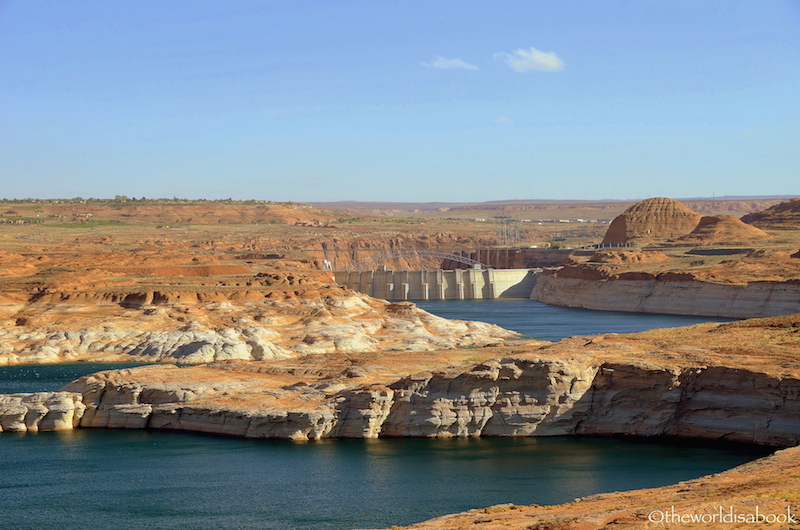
[[399, 101]]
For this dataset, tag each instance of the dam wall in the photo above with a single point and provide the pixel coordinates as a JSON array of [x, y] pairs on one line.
[[466, 284]]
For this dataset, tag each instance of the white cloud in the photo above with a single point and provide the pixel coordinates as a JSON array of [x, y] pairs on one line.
[[441, 62], [533, 59], [503, 119]]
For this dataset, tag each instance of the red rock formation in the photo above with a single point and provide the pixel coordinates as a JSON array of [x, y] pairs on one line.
[[716, 228], [656, 218], [627, 256], [783, 216]]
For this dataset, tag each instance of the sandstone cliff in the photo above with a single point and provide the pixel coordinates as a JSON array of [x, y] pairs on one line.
[[42, 411], [735, 382], [502, 397], [672, 295], [735, 283]]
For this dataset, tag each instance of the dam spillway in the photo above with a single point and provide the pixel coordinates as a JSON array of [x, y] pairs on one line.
[[439, 284]]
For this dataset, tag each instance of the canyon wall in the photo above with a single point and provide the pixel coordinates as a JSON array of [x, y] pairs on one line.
[[675, 296], [499, 397], [40, 411]]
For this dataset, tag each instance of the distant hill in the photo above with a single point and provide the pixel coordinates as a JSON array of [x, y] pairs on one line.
[[429, 206], [535, 209], [785, 215]]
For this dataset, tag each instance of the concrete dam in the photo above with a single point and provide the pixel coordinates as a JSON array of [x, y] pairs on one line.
[[458, 284]]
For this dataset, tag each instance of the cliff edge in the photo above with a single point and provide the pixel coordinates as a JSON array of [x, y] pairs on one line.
[[736, 381], [734, 283]]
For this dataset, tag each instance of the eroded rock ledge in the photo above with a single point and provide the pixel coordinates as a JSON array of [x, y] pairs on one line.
[[128, 307], [757, 283], [671, 295], [503, 397], [223, 330], [736, 382], [40, 411]]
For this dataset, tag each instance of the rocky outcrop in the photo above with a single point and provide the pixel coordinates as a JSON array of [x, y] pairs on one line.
[[512, 396], [505, 397], [783, 216], [656, 218], [245, 330], [628, 256], [735, 282], [201, 406], [147, 310], [672, 294], [723, 228], [660, 219], [42, 411], [546, 398]]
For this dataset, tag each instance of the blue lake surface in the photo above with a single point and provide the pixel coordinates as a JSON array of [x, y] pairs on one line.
[[165, 480], [546, 322], [169, 480], [49, 377]]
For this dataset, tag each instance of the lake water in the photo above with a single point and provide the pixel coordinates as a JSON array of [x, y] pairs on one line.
[[166, 480], [162, 480], [546, 322], [49, 377]]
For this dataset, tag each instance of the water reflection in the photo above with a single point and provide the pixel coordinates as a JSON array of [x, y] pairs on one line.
[[177, 480]]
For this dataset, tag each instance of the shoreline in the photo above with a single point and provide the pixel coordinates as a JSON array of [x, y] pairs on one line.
[[599, 385], [677, 297]]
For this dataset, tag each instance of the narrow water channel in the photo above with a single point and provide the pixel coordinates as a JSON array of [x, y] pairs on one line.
[[546, 322]]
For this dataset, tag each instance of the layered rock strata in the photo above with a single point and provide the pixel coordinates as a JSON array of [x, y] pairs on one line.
[[671, 294], [734, 283], [696, 382], [40, 411], [196, 313], [246, 330], [715, 228], [660, 219], [783, 216], [502, 397], [656, 218]]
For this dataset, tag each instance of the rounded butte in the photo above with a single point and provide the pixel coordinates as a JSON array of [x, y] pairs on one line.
[[656, 218], [661, 218]]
